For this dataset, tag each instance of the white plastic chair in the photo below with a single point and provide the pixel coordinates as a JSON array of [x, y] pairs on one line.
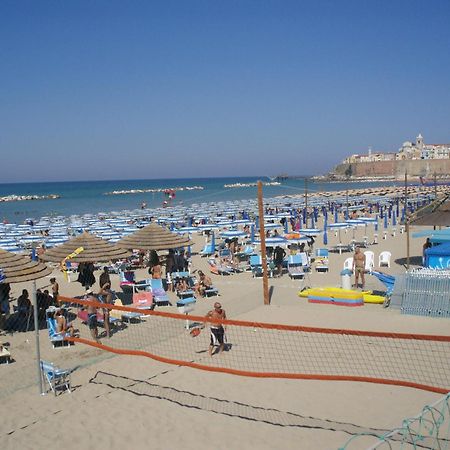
[[348, 263], [370, 261], [384, 259]]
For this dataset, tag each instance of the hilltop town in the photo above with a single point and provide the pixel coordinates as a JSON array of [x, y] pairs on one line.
[[417, 159]]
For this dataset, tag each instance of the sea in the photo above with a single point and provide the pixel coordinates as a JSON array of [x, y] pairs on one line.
[[91, 197]]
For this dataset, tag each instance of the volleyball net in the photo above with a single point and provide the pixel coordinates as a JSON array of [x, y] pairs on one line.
[[269, 350]]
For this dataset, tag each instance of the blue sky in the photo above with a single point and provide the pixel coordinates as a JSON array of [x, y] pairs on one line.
[[142, 89]]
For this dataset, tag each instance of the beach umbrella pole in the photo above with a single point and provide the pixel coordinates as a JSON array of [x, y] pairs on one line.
[[36, 334], [262, 236]]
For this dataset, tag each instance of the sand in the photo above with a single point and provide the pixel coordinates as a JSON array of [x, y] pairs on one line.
[[135, 402]]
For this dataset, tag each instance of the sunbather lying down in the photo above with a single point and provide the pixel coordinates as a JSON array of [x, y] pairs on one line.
[[181, 285], [62, 326], [203, 284]]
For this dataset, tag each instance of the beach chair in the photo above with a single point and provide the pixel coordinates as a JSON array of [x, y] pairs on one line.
[[306, 263], [54, 336], [321, 260], [370, 261], [127, 280], [56, 378], [384, 259], [256, 265], [5, 355], [272, 267], [219, 269], [211, 291], [295, 267], [123, 315], [160, 297], [207, 250], [142, 299], [348, 263]]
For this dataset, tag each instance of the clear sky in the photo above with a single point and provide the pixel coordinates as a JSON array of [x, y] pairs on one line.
[[145, 89]]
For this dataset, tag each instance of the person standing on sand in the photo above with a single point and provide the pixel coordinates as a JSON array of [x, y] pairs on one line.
[[217, 330], [106, 296], [55, 290], [92, 316], [104, 277], [359, 264]]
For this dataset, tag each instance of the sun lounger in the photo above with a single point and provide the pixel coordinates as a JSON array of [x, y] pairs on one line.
[[83, 316], [55, 377], [124, 315], [256, 265], [127, 280], [54, 336], [160, 297], [143, 299], [321, 260], [208, 250], [5, 355], [295, 267]]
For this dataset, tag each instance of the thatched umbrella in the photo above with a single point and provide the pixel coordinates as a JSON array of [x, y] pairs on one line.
[[434, 214], [153, 237], [95, 249], [18, 269]]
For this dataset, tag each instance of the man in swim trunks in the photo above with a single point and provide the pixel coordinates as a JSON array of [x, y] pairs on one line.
[[217, 330], [92, 316], [359, 264]]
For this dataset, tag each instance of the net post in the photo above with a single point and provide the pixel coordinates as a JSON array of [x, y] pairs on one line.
[[36, 335]]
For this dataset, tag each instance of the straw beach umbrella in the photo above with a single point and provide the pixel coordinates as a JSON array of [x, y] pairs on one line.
[[153, 237], [94, 249], [18, 269]]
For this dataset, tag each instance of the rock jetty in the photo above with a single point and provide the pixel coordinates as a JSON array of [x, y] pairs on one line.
[[144, 191], [19, 198]]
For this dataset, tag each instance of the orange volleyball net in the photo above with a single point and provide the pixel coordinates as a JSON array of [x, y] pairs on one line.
[[270, 350]]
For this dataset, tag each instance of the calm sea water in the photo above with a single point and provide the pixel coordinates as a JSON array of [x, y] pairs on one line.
[[89, 196]]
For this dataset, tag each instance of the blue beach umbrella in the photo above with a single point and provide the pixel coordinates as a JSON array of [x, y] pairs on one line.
[[315, 214], [394, 220], [335, 215], [385, 221], [213, 241], [313, 225], [252, 233], [376, 224], [304, 216], [325, 234], [286, 230]]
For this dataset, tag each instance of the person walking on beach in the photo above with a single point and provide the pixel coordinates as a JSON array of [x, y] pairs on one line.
[[217, 330], [55, 290], [278, 257], [106, 296], [104, 277], [359, 264], [92, 316]]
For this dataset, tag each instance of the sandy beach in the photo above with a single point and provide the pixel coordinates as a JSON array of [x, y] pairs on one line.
[[136, 402]]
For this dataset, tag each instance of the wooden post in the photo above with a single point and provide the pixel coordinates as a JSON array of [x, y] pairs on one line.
[[262, 238], [346, 202], [406, 221]]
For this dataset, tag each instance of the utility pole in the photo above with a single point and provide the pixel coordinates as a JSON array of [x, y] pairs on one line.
[[262, 238], [406, 221]]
